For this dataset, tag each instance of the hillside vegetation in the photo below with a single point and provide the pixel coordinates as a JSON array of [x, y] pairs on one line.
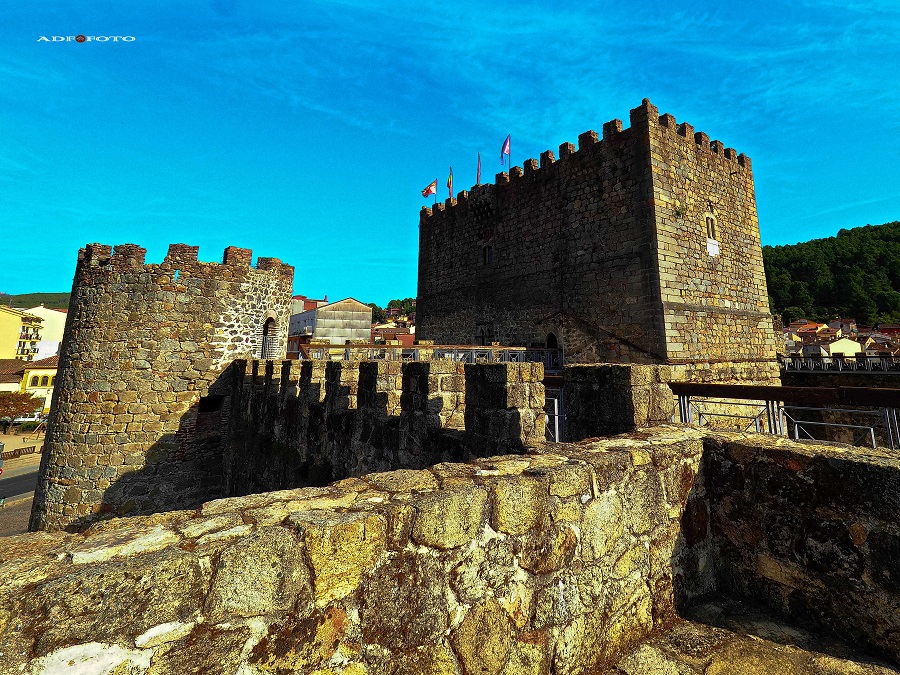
[[49, 300], [855, 274]]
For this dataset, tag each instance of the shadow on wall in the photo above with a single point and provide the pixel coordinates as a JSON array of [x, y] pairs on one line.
[[345, 419], [318, 423], [180, 470], [804, 529]]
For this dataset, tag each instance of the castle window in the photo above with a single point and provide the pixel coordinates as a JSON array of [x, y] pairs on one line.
[[53, 381], [34, 381], [488, 255], [484, 334], [712, 234], [45, 380]]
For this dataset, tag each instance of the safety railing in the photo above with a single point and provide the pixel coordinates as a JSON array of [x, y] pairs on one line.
[[836, 364], [781, 410], [551, 358]]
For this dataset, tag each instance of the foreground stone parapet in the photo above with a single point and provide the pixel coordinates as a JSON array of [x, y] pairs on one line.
[[557, 560], [726, 637], [810, 529]]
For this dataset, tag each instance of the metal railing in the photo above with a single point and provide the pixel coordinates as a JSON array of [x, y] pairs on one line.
[[554, 414], [833, 364], [17, 452], [777, 410], [551, 358]]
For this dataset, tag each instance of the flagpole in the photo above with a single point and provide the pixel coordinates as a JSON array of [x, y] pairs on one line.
[[435, 191]]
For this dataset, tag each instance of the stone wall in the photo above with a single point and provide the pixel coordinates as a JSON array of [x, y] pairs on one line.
[[716, 307], [571, 252], [607, 399], [556, 560], [550, 562], [139, 388], [606, 249], [323, 421], [812, 530]]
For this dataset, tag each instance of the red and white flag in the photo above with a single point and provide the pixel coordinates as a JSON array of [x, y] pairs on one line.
[[431, 189]]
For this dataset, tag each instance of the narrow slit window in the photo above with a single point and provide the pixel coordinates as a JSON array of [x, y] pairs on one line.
[[488, 255], [711, 232]]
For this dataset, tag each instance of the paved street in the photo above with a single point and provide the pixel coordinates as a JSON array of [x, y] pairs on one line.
[[17, 483]]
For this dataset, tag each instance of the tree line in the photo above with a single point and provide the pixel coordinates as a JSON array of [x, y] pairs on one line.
[[855, 274], [406, 307], [48, 300]]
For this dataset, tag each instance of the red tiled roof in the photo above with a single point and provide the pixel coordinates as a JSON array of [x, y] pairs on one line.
[[11, 370], [49, 362]]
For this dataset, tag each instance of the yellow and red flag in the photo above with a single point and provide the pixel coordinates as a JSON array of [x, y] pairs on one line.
[[450, 183], [431, 189]]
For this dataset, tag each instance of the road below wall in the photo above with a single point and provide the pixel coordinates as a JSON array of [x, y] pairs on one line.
[[17, 484]]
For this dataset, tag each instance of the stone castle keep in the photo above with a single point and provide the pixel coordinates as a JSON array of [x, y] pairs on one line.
[[206, 506], [607, 249]]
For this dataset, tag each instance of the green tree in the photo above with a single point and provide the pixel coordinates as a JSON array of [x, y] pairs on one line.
[[406, 305], [377, 313], [792, 314], [854, 274], [13, 405]]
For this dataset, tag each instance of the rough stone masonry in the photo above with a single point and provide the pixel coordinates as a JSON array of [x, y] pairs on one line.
[[144, 349], [641, 247]]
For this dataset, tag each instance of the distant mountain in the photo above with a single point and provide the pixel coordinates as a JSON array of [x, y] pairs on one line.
[[49, 300], [853, 275]]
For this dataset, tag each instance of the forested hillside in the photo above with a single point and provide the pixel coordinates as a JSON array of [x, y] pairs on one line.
[[854, 275], [49, 300]]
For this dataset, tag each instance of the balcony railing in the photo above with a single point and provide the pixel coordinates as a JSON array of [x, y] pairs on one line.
[[551, 358], [781, 410], [834, 364]]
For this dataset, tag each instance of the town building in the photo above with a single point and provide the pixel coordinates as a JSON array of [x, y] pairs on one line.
[[52, 327], [39, 378], [301, 303], [387, 333], [340, 322], [20, 333], [11, 371]]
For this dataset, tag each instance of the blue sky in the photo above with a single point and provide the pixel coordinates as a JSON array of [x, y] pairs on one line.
[[307, 130]]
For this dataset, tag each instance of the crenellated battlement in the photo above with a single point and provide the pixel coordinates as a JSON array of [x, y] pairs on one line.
[[181, 257], [591, 142]]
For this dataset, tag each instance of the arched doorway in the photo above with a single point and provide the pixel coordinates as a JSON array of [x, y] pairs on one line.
[[552, 342], [269, 343]]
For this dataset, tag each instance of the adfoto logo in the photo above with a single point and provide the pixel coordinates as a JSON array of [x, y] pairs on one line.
[[86, 38]]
